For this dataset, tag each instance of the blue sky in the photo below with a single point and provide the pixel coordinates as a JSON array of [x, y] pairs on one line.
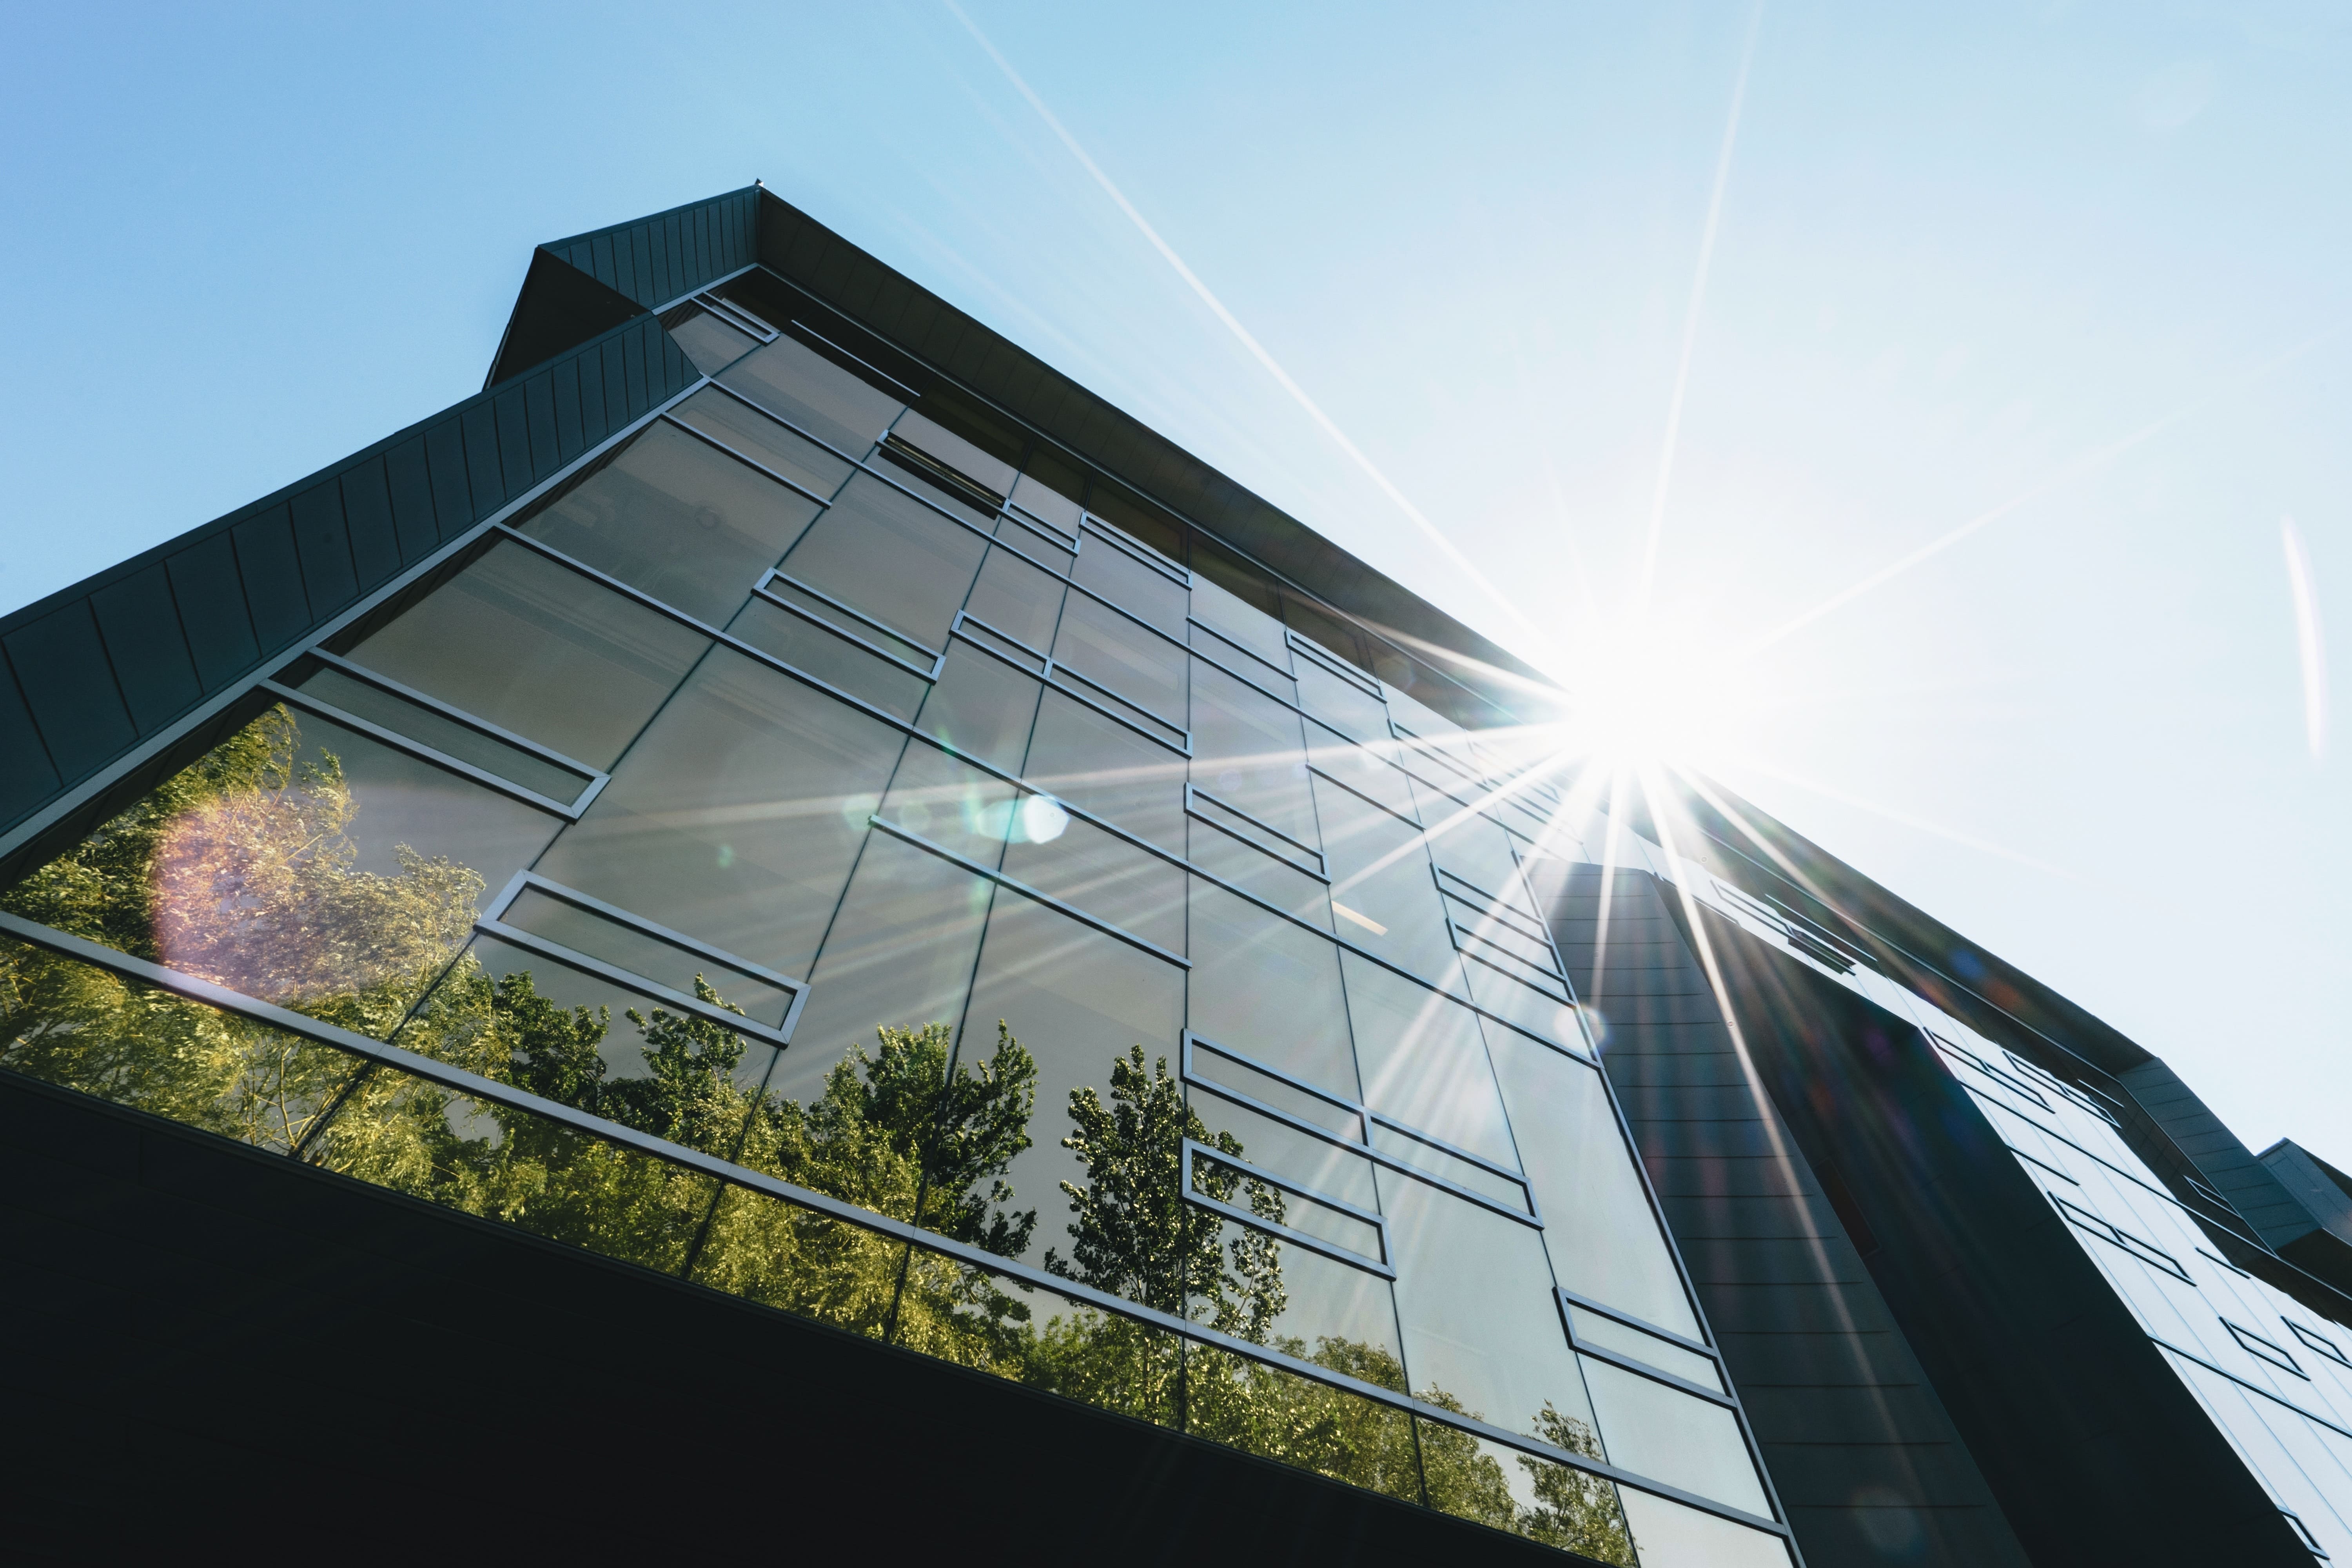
[[2074, 273]]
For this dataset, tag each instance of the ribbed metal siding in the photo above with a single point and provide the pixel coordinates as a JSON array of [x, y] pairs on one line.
[[653, 260]]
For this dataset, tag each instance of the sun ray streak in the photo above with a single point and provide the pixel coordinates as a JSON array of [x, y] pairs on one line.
[[1690, 319], [1430, 531], [2082, 464], [2310, 642]]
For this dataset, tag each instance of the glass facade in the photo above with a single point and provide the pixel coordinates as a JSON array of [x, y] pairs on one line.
[[823, 851]]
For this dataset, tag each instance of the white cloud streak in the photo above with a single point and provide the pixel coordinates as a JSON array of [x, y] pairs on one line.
[[2310, 641]]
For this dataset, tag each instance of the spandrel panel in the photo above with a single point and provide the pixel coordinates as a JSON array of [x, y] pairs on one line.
[[365, 701], [803, 388], [1381, 888], [736, 817], [664, 963], [1261, 1409], [956, 806], [1101, 1021], [1070, 859], [881, 550], [81, 1027], [483, 1158], [1272, 992], [1604, 1240], [764, 440], [982, 707], [677, 520], [1481, 1334], [1248, 751], [535, 647], [899, 957], [1112, 651], [1017, 598], [1500, 1486], [569, 1036], [1102, 767], [1130, 583], [1669, 1535], [1423, 1061], [1673, 1436], [810, 643]]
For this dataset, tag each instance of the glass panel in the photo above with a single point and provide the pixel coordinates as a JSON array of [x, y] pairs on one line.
[[1100, 1020], [482, 1158], [1258, 1269], [945, 446], [1481, 1334], [1445, 1167], [1474, 1478], [1269, 990], [641, 953], [1052, 1343], [1423, 1061], [736, 818], [1669, 1535], [1263, 1410], [1113, 651], [1104, 767], [1527, 1003], [1260, 633], [1239, 852], [982, 707], [1071, 859], [1041, 499], [1219, 650], [443, 734], [583, 1041], [802, 387], [536, 648], [1604, 1240], [1213, 1065], [84, 1028], [1017, 599], [1347, 706], [1248, 751], [1326, 630], [1381, 888], [710, 344], [300, 863], [797, 1260], [832, 658], [1284, 1150], [1609, 1334], [762, 439], [878, 550], [1050, 551], [1362, 769], [959, 808], [882, 1013], [680, 521], [1130, 583], [1672, 1437]]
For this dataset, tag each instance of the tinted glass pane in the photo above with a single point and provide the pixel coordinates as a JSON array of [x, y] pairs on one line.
[[959, 808], [664, 963], [1248, 750], [1362, 769], [443, 734], [710, 344], [1257, 671], [1039, 1337], [1524, 996], [1254, 630], [581, 1040], [878, 550], [536, 648], [1343, 704], [1236, 851], [684, 522], [796, 1260], [982, 707], [1223, 1067], [1101, 1021], [1018, 599], [945, 446], [1424, 1155], [736, 817], [1593, 1328], [1673, 1436], [1316, 1163], [1424, 1062], [1481, 1334], [1261, 1409], [1046, 548], [899, 957], [1269, 990], [1466, 843], [1112, 650], [1381, 889], [1071, 859], [1127, 582], [1472, 1477], [1669, 1535], [806, 641], [1041, 499], [800, 385], [1101, 765], [1604, 1240], [763, 440], [84, 1028]]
